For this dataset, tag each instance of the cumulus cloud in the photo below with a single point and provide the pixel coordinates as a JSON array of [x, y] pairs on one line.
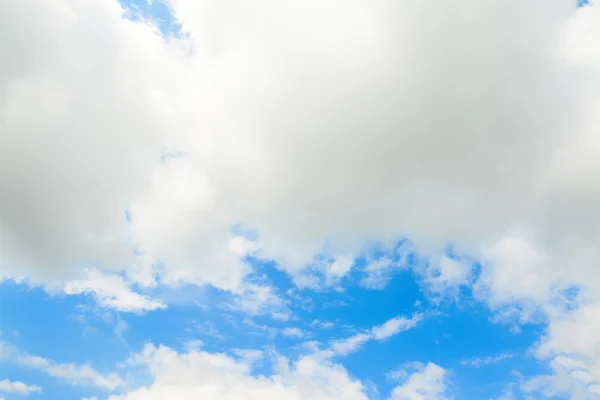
[[426, 382], [572, 347], [198, 374], [431, 137]]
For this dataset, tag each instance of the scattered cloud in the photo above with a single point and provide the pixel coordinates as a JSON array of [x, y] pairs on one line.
[[18, 387], [198, 374]]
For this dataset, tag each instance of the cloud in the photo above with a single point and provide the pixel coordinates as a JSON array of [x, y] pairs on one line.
[[74, 374], [385, 119], [261, 299], [388, 329], [322, 324], [394, 326], [346, 346], [437, 168], [571, 344], [293, 332], [198, 374], [263, 330], [428, 382], [478, 362], [338, 268], [446, 274], [111, 291], [18, 387], [378, 273]]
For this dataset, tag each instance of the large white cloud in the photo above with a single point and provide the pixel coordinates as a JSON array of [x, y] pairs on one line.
[[199, 374], [308, 122]]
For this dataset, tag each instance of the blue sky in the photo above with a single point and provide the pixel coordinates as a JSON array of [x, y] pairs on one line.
[[312, 201], [453, 334]]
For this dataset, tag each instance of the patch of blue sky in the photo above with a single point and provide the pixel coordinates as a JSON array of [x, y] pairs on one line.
[[154, 11], [65, 329]]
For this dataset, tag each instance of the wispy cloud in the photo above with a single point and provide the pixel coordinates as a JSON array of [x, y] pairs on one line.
[[381, 332], [322, 324], [18, 387], [478, 362]]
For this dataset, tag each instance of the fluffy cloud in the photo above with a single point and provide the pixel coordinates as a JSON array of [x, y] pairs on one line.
[[427, 382], [198, 374], [431, 137], [572, 346], [111, 291]]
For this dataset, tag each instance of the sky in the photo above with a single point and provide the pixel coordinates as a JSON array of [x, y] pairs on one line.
[[390, 200]]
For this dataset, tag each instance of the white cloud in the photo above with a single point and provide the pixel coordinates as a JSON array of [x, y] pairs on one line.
[[293, 332], [242, 246], [445, 274], [338, 268], [516, 272], [437, 168], [261, 299], [249, 355], [198, 374], [74, 374], [426, 383], [349, 345], [394, 326], [388, 329], [18, 387], [572, 347], [377, 273], [112, 291], [478, 362], [322, 324]]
